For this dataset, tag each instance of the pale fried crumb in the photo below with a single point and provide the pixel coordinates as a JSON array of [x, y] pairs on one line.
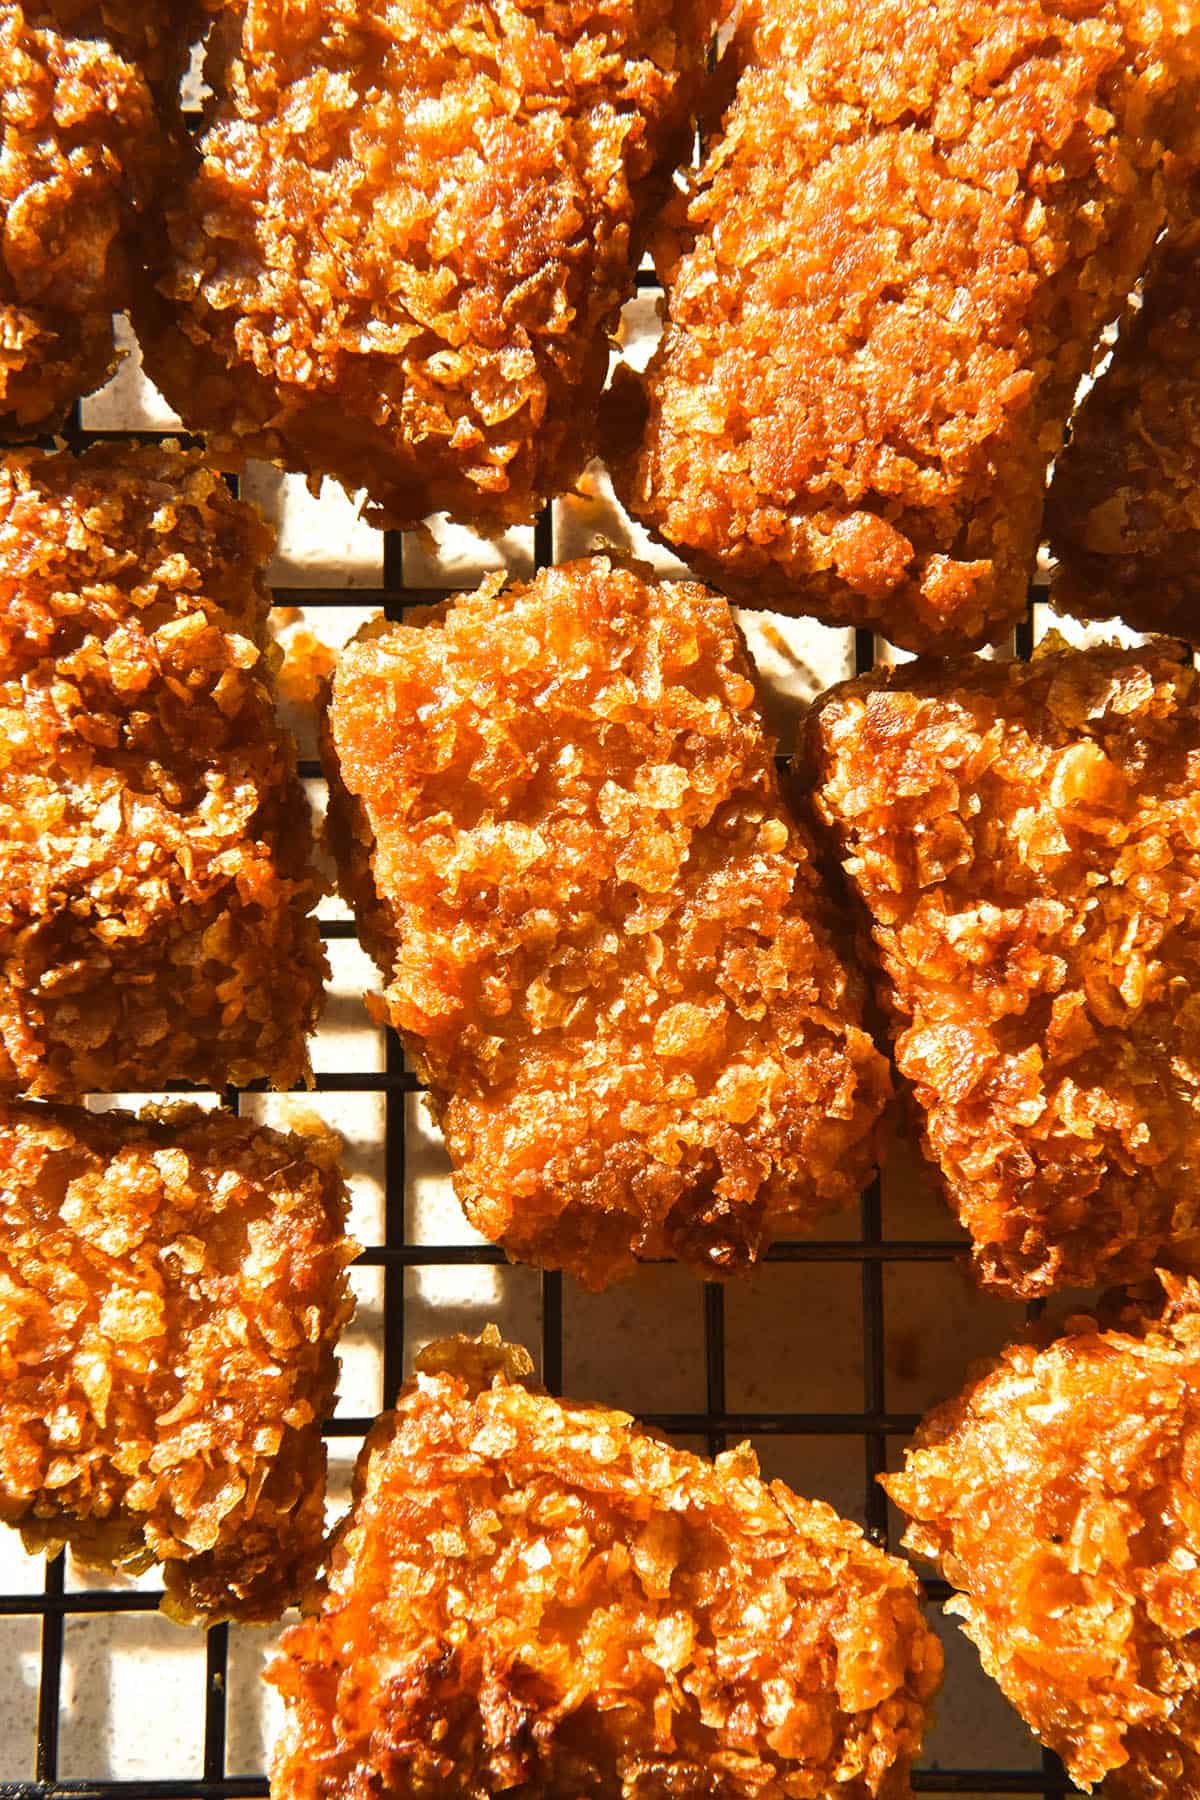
[[543, 1597], [1060, 1492], [557, 815]]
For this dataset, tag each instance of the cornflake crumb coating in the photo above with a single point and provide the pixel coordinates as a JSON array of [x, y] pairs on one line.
[[155, 842], [1124, 506], [81, 153], [408, 231], [557, 814], [171, 1294], [883, 287], [1061, 1493], [544, 1597], [1026, 842]]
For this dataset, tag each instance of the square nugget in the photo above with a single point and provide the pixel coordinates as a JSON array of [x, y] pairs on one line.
[[1025, 841], [156, 874]]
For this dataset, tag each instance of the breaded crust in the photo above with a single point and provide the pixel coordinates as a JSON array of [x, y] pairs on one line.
[[157, 35], [1025, 840], [883, 287], [156, 874], [407, 232], [171, 1293], [80, 154], [1124, 508], [605, 941], [1060, 1492], [535, 1596]]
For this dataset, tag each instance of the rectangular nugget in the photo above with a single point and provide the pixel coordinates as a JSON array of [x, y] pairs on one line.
[[156, 874], [171, 1292], [406, 234], [883, 286], [605, 942], [1025, 841]]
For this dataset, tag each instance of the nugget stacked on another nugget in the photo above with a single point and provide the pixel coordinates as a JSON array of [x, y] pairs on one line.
[[408, 232], [1061, 1493], [80, 155], [883, 287], [1026, 842], [557, 814], [1124, 506], [542, 1597], [155, 844], [171, 1292]]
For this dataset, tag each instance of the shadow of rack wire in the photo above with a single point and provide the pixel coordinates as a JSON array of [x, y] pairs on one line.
[[715, 1423]]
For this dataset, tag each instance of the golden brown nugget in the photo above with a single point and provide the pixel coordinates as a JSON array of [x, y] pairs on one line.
[[407, 234], [171, 1294], [1060, 1492], [1124, 506], [80, 155], [1025, 840], [156, 877], [543, 1597], [557, 815], [883, 287]]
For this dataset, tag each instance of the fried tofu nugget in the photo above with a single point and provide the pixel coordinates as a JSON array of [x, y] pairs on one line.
[[408, 231], [883, 287], [156, 874], [81, 153], [1060, 1492], [543, 1597], [1124, 506], [1025, 840], [558, 818], [171, 1293]]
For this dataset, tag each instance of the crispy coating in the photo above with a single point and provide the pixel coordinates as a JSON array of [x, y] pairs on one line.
[[408, 231], [80, 154], [171, 1293], [605, 941], [535, 1596], [1025, 840], [156, 874], [157, 35], [1124, 506], [883, 287], [1061, 1493]]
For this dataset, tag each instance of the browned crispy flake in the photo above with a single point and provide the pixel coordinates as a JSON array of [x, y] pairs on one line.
[[543, 1597], [408, 231], [156, 879], [1060, 1492], [80, 154], [883, 286], [1025, 840], [1124, 506], [171, 1293], [557, 814]]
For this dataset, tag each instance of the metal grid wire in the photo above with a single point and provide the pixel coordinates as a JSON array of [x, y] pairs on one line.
[[716, 1423]]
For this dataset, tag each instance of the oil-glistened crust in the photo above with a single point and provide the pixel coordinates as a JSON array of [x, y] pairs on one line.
[[883, 286], [156, 877], [540, 1597], [1061, 1494], [604, 938], [1026, 842], [171, 1293]]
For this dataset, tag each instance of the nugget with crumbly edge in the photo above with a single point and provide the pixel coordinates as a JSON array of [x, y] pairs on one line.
[[156, 874], [81, 153], [157, 35], [535, 1595], [1124, 505], [558, 817], [1025, 840], [407, 235], [171, 1293], [883, 286], [1060, 1492]]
